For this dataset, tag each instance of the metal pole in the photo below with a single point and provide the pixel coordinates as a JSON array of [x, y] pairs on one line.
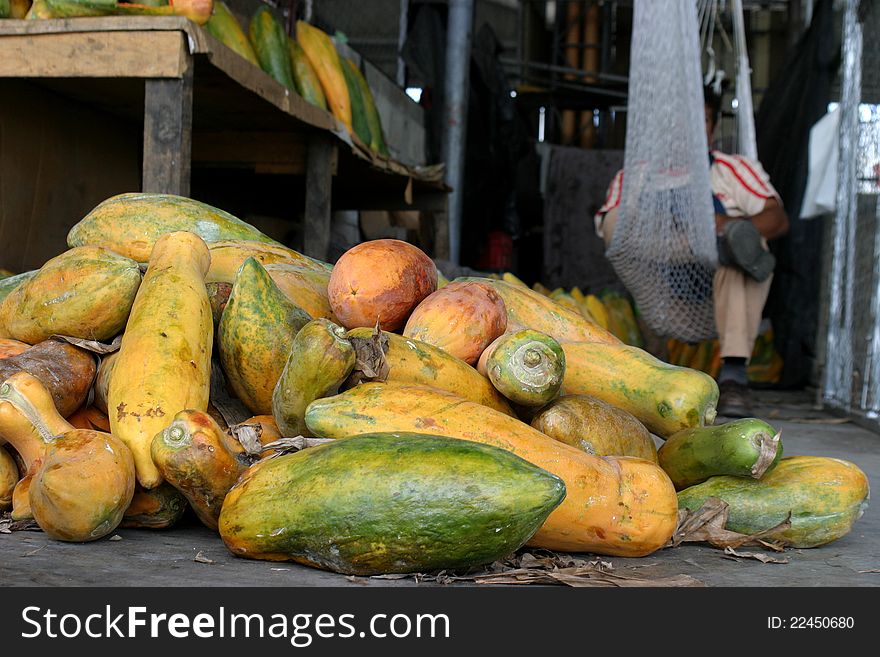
[[459, 27], [402, 27]]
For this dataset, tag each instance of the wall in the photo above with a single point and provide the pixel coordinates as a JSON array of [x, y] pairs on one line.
[[58, 160]]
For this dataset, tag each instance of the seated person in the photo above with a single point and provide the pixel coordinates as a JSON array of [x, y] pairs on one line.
[[748, 213]]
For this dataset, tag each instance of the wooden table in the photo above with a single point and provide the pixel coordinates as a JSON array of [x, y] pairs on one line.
[[204, 105]]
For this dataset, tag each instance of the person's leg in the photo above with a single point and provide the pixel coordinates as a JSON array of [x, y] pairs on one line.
[[739, 304]]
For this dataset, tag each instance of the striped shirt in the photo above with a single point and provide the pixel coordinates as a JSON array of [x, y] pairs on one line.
[[739, 184]]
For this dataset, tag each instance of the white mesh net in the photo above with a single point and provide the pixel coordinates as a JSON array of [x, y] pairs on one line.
[[664, 247]]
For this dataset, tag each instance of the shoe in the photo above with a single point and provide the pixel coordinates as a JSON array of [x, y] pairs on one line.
[[741, 246], [735, 400]]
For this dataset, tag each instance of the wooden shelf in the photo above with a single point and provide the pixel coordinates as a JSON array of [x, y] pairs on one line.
[[202, 104]]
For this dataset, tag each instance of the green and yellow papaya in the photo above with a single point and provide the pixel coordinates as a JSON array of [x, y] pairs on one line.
[[269, 40], [823, 497], [665, 398], [388, 503], [85, 292], [130, 224], [304, 77], [527, 367], [358, 110], [154, 508], [224, 26], [255, 334], [746, 448], [320, 360]]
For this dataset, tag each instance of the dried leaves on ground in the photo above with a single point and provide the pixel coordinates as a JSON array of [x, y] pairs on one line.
[[707, 525], [550, 568], [8, 525]]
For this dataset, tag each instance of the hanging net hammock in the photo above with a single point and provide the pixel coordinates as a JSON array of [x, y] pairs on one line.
[[664, 246]]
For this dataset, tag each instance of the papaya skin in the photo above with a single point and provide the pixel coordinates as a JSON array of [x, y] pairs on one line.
[[320, 360], [164, 362], [29, 421], [8, 478], [199, 458], [529, 309], [154, 508], [227, 257], [663, 397], [527, 367], [131, 223], [66, 371], [255, 334], [595, 427], [619, 506], [83, 487], [825, 497], [84, 292], [462, 319], [388, 503], [414, 361], [748, 447]]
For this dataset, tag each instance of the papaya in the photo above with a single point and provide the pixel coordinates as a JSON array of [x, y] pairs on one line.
[[224, 26], [269, 39], [130, 224], [358, 111], [305, 287], [102, 381], [218, 297], [8, 478], [821, 496], [29, 422], [462, 319], [11, 347], [748, 447], [527, 367], [9, 283], [227, 257], [66, 371], [255, 334], [89, 417], [200, 460], [413, 361], [597, 310], [618, 506], [320, 360], [665, 398], [565, 300], [154, 508], [304, 77], [19, 8], [164, 362], [380, 281], [388, 503], [198, 11], [322, 55], [374, 121], [591, 425], [83, 487], [85, 292], [622, 320], [529, 309]]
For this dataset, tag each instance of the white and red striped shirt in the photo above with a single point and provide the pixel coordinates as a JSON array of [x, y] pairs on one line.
[[739, 183]]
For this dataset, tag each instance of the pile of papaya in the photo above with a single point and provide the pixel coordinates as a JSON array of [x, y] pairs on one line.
[[368, 416], [307, 63]]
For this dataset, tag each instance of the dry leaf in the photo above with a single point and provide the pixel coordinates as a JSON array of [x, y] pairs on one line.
[[544, 567], [115, 537], [8, 525], [767, 448], [370, 362], [91, 345], [760, 556], [201, 558], [707, 523], [296, 443], [873, 570], [248, 434]]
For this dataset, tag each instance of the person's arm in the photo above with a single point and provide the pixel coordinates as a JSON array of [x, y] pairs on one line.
[[771, 222]]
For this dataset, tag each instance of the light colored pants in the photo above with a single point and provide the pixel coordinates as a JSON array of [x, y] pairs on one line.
[[739, 302]]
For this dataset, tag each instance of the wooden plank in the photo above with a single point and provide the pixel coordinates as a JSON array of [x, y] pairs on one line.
[[322, 154], [93, 55], [96, 24], [168, 134]]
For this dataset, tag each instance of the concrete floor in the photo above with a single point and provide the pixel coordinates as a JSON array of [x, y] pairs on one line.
[[167, 558]]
